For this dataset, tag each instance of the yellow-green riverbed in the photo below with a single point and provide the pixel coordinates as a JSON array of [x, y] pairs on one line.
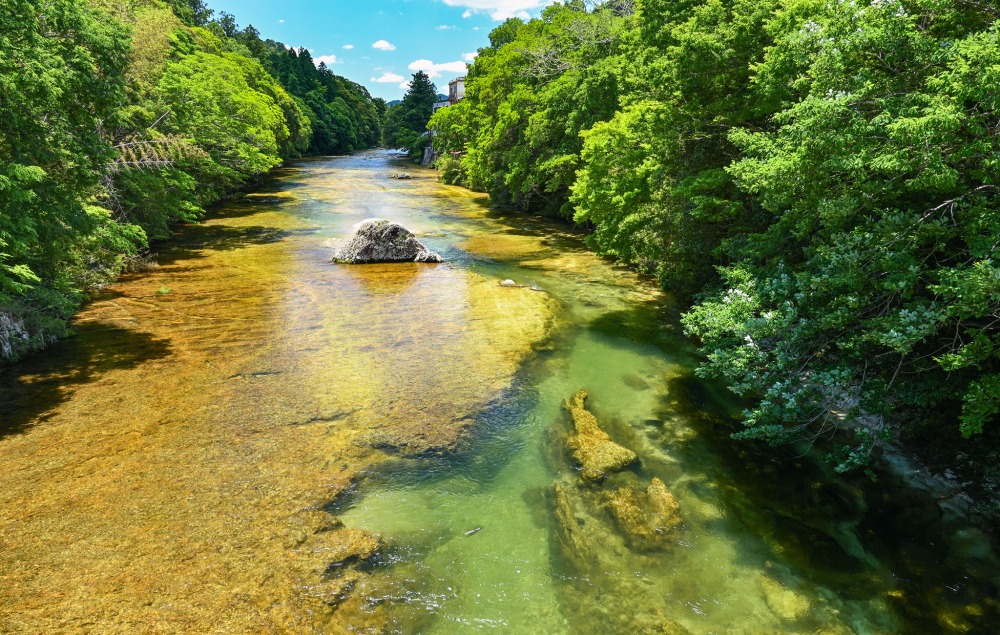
[[250, 439]]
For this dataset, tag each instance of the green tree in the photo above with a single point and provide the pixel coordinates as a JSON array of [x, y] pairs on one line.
[[653, 182], [529, 96], [192, 12], [62, 69], [818, 179], [406, 123], [872, 297]]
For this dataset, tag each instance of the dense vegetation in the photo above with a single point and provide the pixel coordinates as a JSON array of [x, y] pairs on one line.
[[119, 119], [816, 181]]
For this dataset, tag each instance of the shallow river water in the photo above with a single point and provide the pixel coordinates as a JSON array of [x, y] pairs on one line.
[[250, 439]]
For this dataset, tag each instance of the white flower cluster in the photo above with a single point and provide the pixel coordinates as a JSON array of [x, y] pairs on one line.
[[900, 10], [734, 295]]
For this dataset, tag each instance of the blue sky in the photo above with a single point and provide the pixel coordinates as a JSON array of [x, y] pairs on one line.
[[380, 43]]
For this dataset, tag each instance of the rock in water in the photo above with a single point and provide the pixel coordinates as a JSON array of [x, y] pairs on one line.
[[592, 448], [785, 603], [648, 521], [379, 240]]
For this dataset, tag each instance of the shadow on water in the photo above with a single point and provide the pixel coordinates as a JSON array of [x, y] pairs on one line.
[[195, 241], [643, 325], [858, 538], [31, 390]]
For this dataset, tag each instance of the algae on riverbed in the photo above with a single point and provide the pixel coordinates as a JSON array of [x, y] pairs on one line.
[[167, 467]]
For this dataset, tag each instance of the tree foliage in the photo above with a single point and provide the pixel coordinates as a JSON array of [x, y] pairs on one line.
[[528, 97], [817, 181], [119, 119], [61, 81], [406, 123]]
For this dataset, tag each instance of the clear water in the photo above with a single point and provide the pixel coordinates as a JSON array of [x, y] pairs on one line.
[[196, 460]]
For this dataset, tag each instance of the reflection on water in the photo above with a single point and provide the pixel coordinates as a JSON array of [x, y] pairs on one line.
[[251, 439]]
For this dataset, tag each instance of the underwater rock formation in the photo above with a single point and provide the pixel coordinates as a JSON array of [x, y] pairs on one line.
[[607, 528], [574, 543], [784, 602], [649, 521], [595, 555], [591, 447], [380, 240]]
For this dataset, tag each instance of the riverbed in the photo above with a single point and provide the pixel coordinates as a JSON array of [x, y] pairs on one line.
[[250, 438]]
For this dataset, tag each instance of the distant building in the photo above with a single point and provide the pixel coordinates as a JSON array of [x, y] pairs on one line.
[[456, 90]]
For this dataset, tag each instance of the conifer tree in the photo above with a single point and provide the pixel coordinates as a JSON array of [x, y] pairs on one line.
[[406, 125]]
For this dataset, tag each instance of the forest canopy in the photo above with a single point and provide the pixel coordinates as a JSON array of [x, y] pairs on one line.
[[817, 182]]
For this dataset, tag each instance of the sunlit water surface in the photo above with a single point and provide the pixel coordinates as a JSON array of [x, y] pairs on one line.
[[210, 450]]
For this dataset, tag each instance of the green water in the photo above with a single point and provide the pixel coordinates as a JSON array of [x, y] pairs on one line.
[[746, 562], [209, 459]]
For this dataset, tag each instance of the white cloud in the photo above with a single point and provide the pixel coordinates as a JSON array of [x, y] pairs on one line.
[[467, 14], [329, 60], [435, 70], [382, 45], [500, 9], [281, 21], [405, 85], [388, 78], [468, 57], [348, 47], [445, 27]]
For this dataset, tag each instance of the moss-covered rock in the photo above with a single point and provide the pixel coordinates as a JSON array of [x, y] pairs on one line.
[[591, 447], [783, 602], [574, 544], [649, 520]]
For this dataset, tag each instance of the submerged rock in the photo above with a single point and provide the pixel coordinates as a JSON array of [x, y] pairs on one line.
[[783, 602], [597, 590], [591, 447], [574, 543], [649, 521], [380, 240], [400, 176]]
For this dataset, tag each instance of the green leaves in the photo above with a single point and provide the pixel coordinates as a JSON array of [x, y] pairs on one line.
[[821, 177], [529, 98], [878, 173], [980, 404], [110, 132], [406, 123]]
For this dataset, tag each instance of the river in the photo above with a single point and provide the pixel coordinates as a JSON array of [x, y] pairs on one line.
[[249, 438]]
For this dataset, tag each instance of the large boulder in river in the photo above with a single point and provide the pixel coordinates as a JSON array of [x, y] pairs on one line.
[[379, 240]]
